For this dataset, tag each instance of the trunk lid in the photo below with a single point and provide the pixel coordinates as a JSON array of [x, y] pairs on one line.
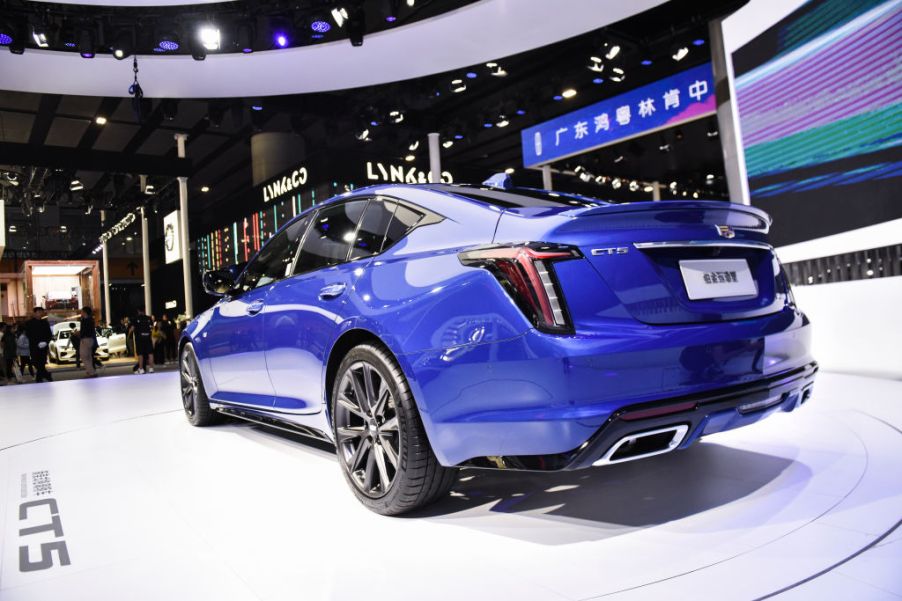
[[638, 249]]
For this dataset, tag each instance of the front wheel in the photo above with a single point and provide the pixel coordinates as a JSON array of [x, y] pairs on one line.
[[194, 398], [379, 436]]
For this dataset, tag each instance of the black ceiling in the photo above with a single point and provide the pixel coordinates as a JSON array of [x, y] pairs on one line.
[[50, 140]]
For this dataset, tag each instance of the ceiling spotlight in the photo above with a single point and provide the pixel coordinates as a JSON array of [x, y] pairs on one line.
[[680, 53], [568, 93], [414, 145], [619, 158], [698, 42], [39, 37], [410, 3], [410, 158], [86, 43], [695, 195], [672, 185], [356, 26], [169, 42], [447, 143], [648, 188], [598, 80], [491, 65], [616, 183], [244, 37], [363, 135], [617, 75], [100, 120], [76, 185], [613, 51], [458, 86], [339, 15], [256, 107], [709, 178], [498, 71], [210, 37], [645, 62], [502, 121], [634, 185], [509, 170], [557, 97], [205, 189], [396, 117], [320, 27], [458, 136], [595, 65]]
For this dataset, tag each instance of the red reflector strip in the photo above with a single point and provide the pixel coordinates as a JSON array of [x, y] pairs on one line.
[[657, 411]]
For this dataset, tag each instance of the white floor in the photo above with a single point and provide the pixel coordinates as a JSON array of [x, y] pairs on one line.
[[804, 505]]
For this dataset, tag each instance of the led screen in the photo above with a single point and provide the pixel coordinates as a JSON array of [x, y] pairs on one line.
[[239, 241], [821, 121]]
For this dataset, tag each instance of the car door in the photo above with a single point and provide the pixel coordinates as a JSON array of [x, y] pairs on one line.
[[305, 311], [235, 336]]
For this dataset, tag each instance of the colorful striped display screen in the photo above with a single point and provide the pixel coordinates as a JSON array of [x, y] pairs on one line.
[[240, 241], [820, 108]]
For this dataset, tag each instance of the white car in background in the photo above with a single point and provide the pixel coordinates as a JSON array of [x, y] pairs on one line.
[[61, 350], [115, 341]]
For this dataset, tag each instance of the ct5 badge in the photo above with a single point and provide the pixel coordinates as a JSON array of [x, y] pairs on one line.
[[616, 250]]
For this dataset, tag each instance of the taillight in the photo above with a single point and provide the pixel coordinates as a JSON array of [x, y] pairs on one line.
[[526, 273]]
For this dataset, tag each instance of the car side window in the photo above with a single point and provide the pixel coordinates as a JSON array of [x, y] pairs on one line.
[[330, 236], [403, 220], [274, 260], [373, 226]]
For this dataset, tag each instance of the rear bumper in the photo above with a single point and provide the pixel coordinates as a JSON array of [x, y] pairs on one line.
[[538, 399]]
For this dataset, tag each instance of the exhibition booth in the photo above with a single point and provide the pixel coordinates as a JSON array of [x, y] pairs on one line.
[[460, 299]]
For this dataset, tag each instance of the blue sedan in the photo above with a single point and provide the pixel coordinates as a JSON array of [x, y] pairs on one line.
[[422, 329]]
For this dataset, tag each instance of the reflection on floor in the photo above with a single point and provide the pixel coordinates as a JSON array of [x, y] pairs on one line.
[[804, 505]]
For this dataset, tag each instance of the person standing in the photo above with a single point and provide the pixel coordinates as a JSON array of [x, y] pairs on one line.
[[39, 335], [142, 327], [9, 353], [169, 341], [24, 352], [75, 343], [87, 340]]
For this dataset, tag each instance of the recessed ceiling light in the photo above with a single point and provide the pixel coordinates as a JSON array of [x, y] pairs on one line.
[[568, 93], [205, 189], [409, 158], [509, 170], [100, 120]]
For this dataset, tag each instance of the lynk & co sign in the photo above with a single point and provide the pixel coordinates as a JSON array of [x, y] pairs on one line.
[[286, 184], [401, 174]]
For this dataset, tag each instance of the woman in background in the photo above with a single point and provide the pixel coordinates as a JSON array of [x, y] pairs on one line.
[[23, 349]]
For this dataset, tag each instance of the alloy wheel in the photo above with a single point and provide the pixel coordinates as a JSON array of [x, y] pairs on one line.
[[366, 429], [189, 381]]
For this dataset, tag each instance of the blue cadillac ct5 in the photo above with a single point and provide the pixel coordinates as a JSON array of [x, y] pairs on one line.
[[422, 329]]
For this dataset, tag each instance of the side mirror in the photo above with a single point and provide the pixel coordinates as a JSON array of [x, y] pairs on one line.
[[218, 282]]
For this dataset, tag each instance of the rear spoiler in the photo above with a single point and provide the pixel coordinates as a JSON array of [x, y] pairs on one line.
[[670, 205]]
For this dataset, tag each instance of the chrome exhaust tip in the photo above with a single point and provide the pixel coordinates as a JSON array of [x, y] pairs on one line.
[[644, 444]]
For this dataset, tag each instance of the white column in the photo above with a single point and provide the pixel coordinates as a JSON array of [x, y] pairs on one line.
[[546, 177], [145, 261], [435, 158], [727, 117], [106, 274], [183, 226]]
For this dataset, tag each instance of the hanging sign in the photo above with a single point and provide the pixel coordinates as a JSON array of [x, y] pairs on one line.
[[283, 185], [667, 102], [172, 240]]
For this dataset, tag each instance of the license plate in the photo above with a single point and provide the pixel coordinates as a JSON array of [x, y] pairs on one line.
[[718, 278]]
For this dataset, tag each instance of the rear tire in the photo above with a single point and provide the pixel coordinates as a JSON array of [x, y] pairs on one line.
[[194, 398], [379, 436]]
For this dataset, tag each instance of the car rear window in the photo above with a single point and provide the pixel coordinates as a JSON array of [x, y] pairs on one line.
[[519, 197]]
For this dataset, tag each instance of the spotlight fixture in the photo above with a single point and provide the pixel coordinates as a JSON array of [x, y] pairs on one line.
[[458, 86], [244, 37], [557, 97], [75, 185], [616, 183], [502, 121], [447, 143], [339, 15], [698, 42], [613, 51], [205, 189], [410, 158], [680, 53], [672, 185], [396, 117], [363, 135], [169, 42], [123, 45], [210, 37], [498, 71], [39, 35], [648, 188], [598, 80], [509, 170], [634, 185], [568, 93], [413, 145], [595, 64], [357, 26], [617, 75], [645, 62], [86, 45], [100, 120]]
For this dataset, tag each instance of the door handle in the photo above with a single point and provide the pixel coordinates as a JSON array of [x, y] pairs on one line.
[[331, 291], [255, 307]]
